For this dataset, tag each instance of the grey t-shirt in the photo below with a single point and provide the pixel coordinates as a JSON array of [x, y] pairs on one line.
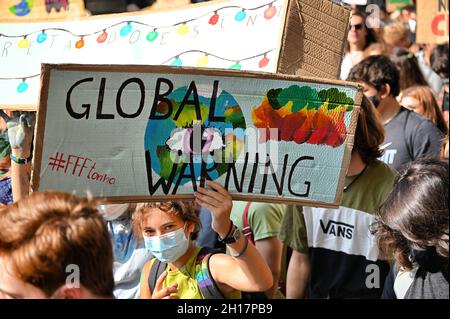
[[410, 136]]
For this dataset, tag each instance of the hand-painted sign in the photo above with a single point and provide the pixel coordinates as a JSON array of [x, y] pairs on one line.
[[286, 36], [22, 10], [133, 133], [433, 21]]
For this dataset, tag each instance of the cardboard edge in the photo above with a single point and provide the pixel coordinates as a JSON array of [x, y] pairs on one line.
[[196, 71], [350, 141], [237, 197], [281, 34], [40, 127], [12, 107]]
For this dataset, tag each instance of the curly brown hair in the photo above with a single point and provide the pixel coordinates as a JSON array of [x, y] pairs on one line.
[[415, 214], [185, 210]]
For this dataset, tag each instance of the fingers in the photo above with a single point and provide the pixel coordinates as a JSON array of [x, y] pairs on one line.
[[205, 196], [165, 293], [159, 282], [205, 205], [217, 187]]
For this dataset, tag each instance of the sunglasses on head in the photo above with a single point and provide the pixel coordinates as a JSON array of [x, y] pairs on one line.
[[358, 26]]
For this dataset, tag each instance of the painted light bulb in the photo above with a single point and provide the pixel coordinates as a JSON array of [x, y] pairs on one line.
[[270, 12], [240, 16], [264, 62], [183, 29], [126, 29], [214, 19], [24, 43], [79, 44], [41, 37], [102, 37], [177, 62], [22, 87], [152, 36], [203, 61], [236, 66]]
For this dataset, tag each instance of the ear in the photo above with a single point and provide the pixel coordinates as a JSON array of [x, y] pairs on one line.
[[385, 91], [68, 292]]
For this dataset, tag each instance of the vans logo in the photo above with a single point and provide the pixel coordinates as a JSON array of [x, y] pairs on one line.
[[337, 229]]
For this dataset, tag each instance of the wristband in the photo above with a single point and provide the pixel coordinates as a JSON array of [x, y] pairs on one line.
[[20, 160], [243, 249]]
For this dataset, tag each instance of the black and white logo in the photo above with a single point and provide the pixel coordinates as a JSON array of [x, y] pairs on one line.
[[337, 229]]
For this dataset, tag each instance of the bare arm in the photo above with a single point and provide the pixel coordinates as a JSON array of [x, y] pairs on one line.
[[271, 249], [297, 275], [248, 272], [20, 135]]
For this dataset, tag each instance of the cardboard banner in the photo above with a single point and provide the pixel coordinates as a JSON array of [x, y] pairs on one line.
[[393, 5], [304, 37], [135, 133], [433, 21], [23, 10]]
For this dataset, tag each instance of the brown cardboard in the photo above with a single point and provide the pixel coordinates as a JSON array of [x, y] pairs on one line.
[[433, 21], [311, 43], [130, 69], [75, 10]]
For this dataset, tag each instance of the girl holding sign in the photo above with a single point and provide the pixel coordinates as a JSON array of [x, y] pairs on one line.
[[183, 270]]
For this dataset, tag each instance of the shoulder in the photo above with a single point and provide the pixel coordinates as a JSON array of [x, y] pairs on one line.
[[380, 172], [266, 210], [417, 123]]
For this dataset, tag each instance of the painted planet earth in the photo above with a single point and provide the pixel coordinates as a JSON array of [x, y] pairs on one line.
[[175, 140]]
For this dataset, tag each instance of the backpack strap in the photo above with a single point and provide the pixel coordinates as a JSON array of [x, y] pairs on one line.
[[156, 270], [206, 283], [247, 231], [408, 147]]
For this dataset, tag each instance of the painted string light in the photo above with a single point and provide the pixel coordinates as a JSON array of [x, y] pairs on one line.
[[203, 61], [183, 28], [126, 29], [22, 87], [41, 37], [24, 43], [102, 37], [270, 12], [214, 18], [152, 35], [80, 43]]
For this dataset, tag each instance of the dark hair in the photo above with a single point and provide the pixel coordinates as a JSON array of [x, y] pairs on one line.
[[439, 59], [415, 214], [370, 34], [377, 71], [369, 134], [408, 66]]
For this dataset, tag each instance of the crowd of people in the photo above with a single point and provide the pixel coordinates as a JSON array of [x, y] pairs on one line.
[[388, 239]]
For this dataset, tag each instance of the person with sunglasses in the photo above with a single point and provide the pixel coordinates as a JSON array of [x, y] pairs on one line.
[[359, 38]]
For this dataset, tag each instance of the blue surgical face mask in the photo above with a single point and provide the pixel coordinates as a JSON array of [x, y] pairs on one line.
[[169, 247]]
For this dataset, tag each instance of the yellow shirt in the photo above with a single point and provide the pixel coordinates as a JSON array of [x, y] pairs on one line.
[[187, 282]]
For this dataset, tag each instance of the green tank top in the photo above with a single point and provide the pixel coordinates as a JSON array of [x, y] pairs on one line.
[[187, 283]]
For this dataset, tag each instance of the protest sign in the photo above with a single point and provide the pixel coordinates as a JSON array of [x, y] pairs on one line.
[[433, 21], [140, 133], [23, 10], [304, 37], [393, 5]]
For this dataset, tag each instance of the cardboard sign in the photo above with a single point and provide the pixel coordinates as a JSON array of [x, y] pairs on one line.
[[135, 133], [433, 21], [23, 10], [393, 5], [285, 36]]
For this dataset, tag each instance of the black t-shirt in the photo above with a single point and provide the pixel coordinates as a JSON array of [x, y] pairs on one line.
[[410, 136]]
